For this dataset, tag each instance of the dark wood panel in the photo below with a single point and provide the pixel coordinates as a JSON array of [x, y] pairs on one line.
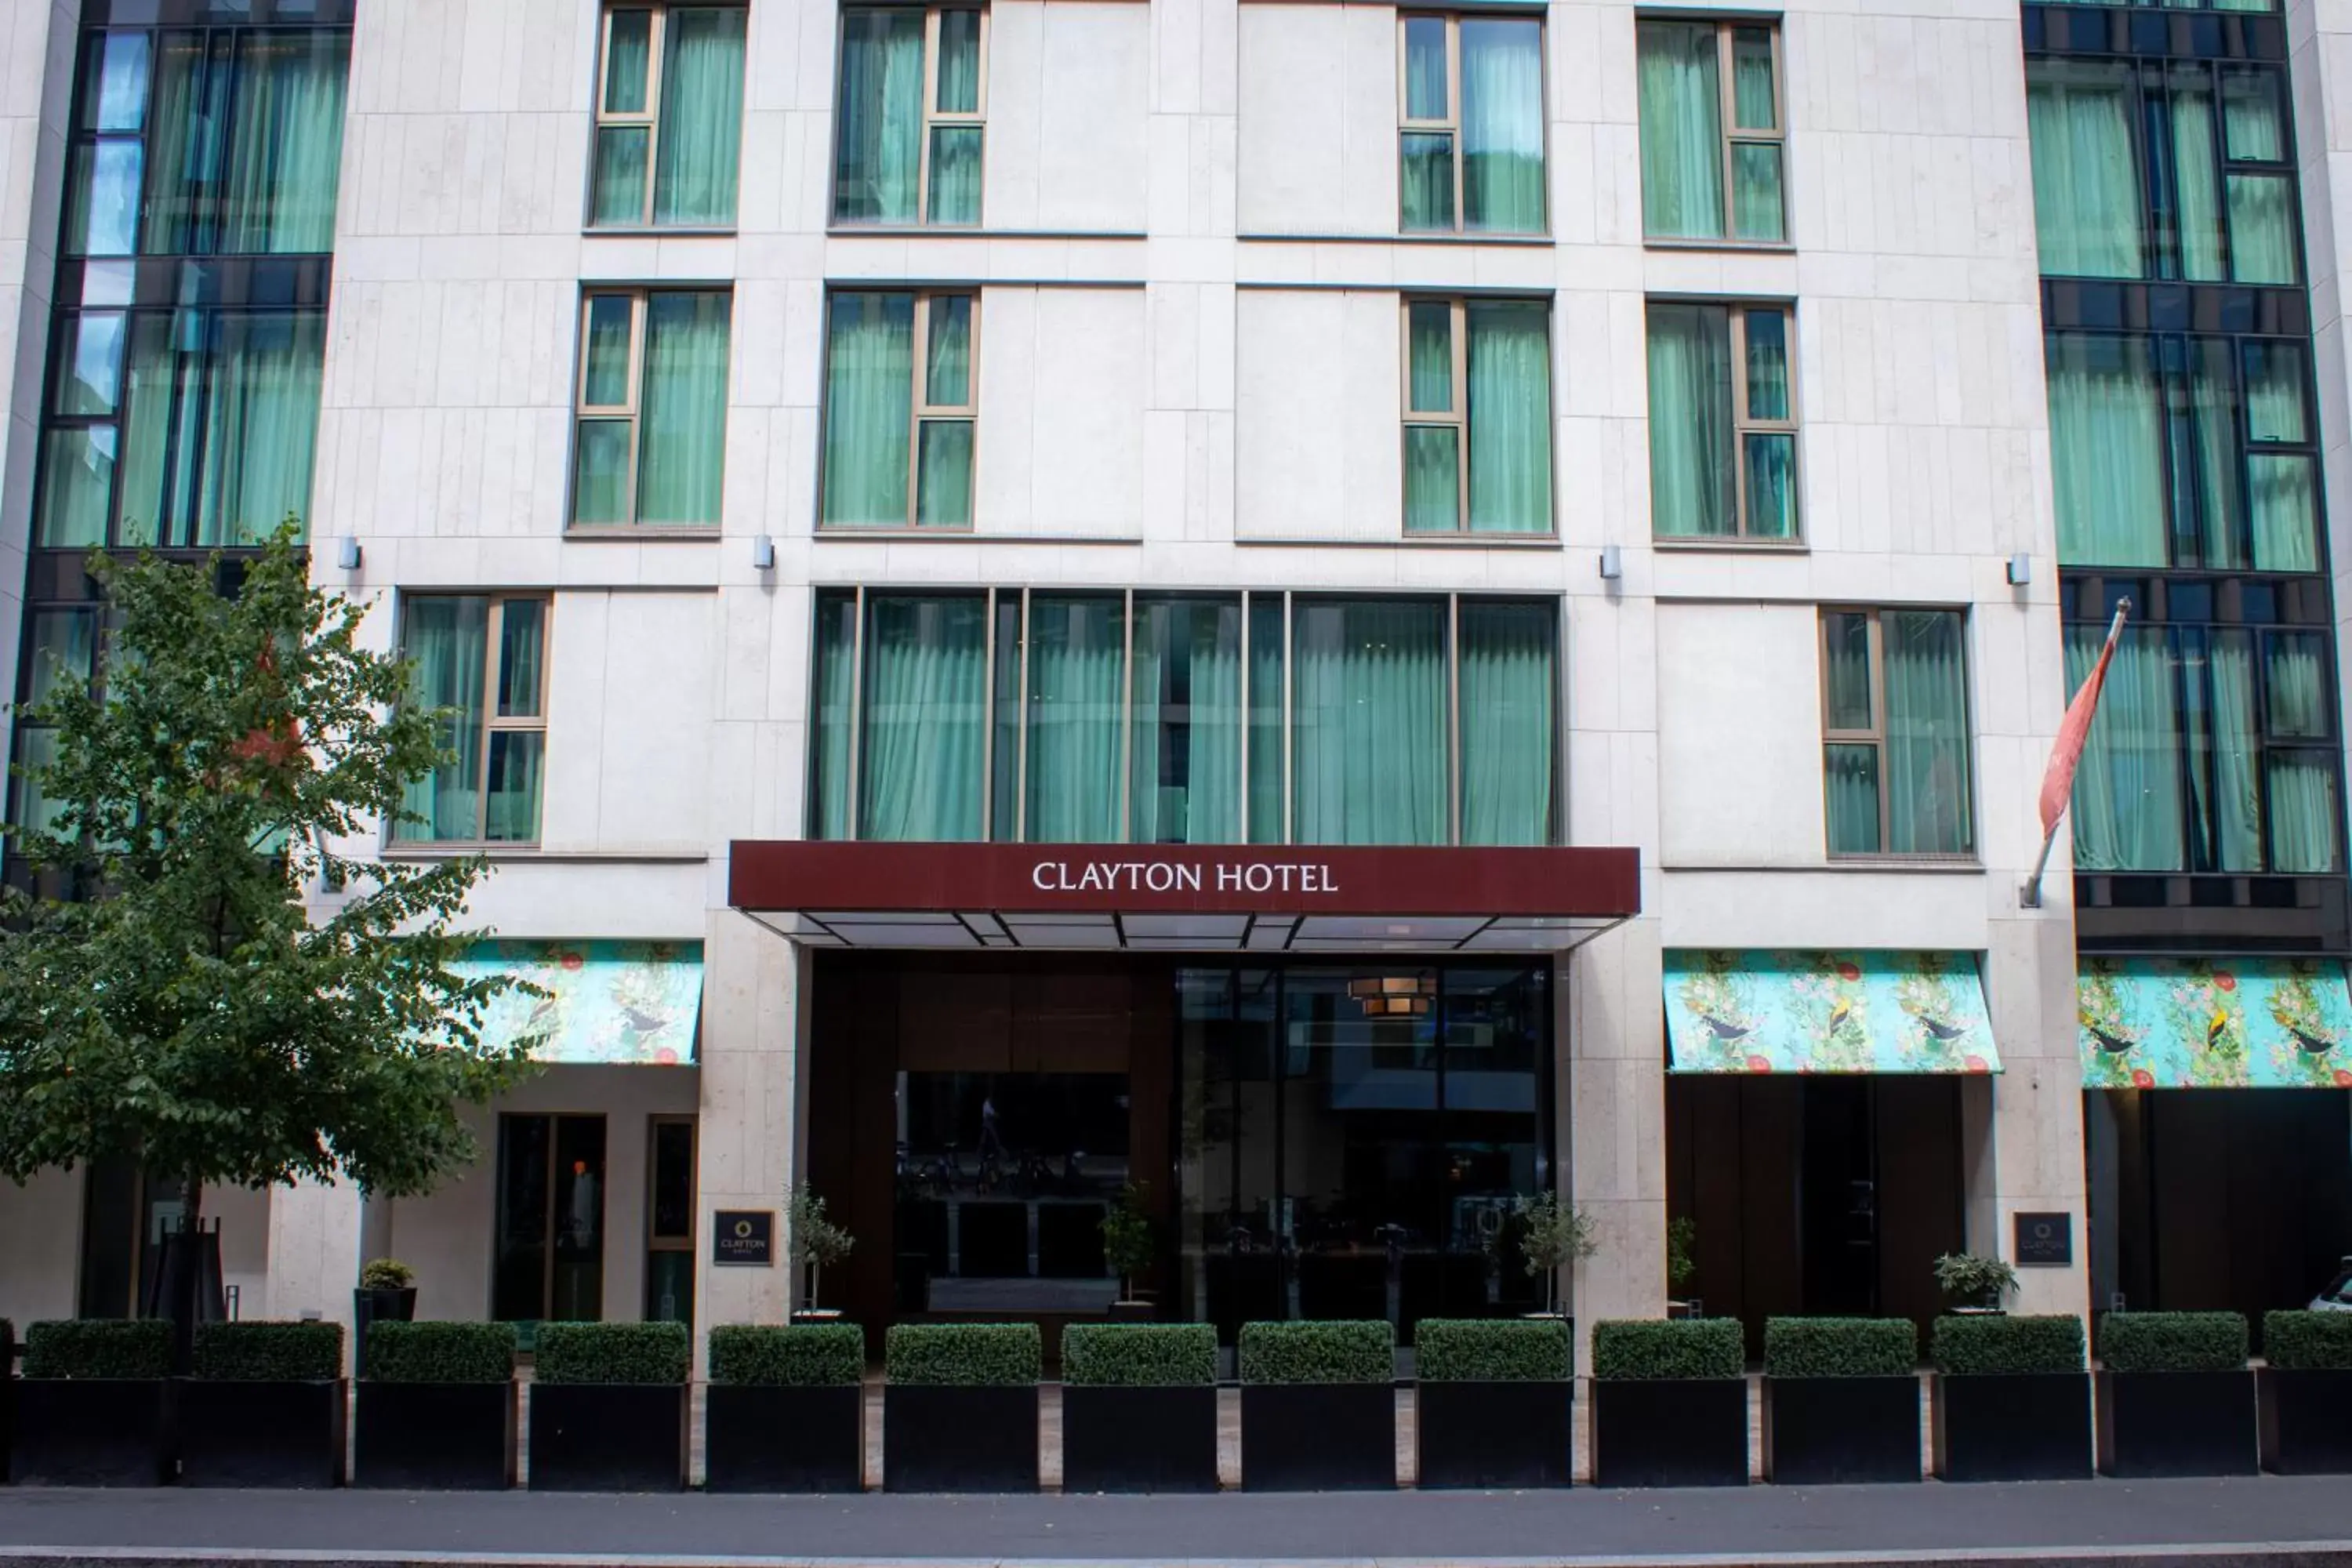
[[953, 1019], [1920, 1199]]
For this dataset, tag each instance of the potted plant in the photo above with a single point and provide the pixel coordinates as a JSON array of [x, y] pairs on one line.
[[1139, 1407], [1682, 1265], [1840, 1400], [1975, 1284], [436, 1407], [2012, 1401], [785, 1411], [1669, 1403], [266, 1403], [1552, 1235], [2306, 1389], [959, 1407], [1130, 1247], [1319, 1406], [386, 1294], [1495, 1401], [2176, 1396], [608, 1407], [812, 1241], [94, 1406]]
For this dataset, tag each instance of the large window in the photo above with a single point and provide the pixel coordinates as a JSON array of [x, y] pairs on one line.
[[2171, 169], [1895, 727], [669, 116], [910, 115], [900, 409], [652, 435], [1711, 131], [1477, 417], [481, 661], [1108, 717], [60, 652], [1470, 143], [1723, 422]]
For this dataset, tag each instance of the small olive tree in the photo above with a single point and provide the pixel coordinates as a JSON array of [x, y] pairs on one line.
[[811, 1240]]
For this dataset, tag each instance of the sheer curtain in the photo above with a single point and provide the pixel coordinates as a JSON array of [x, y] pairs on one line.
[[2106, 451], [286, 142], [943, 485], [682, 432], [2126, 806], [869, 382], [2087, 207], [1682, 130], [261, 420], [701, 133], [1433, 491], [1510, 417], [1690, 421], [2303, 789], [836, 696], [1077, 652], [879, 153], [1502, 126], [2262, 213], [1849, 769], [1268, 665], [1184, 771], [182, 150], [956, 149], [2216, 533], [1368, 723], [1508, 687], [2196, 173], [2230, 819], [2283, 499], [447, 639], [1926, 733], [926, 709]]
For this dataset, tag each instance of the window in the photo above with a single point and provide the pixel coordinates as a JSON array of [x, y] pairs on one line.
[[899, 409], [2183, 451], [481, 660], [653, 407], [669, 116], [1076, 717], [60, 650], [669, 1220], [548, 1232], [1711, 131], [1477, 417], [911, 113], [1470, 143], [2162, 170], [1723, 440], [1895, 720]]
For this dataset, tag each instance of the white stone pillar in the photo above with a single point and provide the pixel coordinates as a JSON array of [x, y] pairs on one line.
[[314, 1251], [1614, 1136], [745, 1143]]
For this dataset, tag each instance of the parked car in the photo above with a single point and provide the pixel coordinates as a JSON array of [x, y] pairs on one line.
[[2337, 1296]]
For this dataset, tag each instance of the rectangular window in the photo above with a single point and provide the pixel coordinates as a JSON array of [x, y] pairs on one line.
[[652, 428], [1723, 422], [548, 1231], [481, 663], [669, 116], [1477, 417], [1711, 131], [1470, 141], [911, 115], [60, 651], [900, 407], [1894, 728]]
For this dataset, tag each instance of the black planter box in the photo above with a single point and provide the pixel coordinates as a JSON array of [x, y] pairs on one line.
[[943, 1439], [1670, 1432], [1495, 1434], [2019, 1426], [2304, 1429], [2156, 1424], [260, 1434], [435, 1436], [1138, 1439], [759, 1438], [92, 1432], [1830, 1431], [370, 1308], [608, 1437], [1319, 1436]]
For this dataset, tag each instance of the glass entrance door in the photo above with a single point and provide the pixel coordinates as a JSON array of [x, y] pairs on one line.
[[550, 1242]]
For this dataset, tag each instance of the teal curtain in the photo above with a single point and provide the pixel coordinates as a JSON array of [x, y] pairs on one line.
[[1772, 457], [2208, 499], [1849, 769], [2106, 451], [1682, 130], [1426, 158], [1004, 720], [1184, 765], [286, 142], [261, 423], [1510, 688], [956, 149], [701, 135], [869, 381], [2294, 679], [943, 481], [1433, 491], [682, 432], [1077, 651], [1509, 380], [1928, 808], [600, 483], [2283, 488], [447, 639], [2304, 811], [2262, 206], [76, 470], [1502, 126], [833, 770], [2196, 174], [877, 155], [1368, 723], [2087, 206], [1756, 204], [2126, 806], [926, 713], [1691, 493], [2224, 743], [157, 497], [1266, 636], [628, 61], [618, 194]]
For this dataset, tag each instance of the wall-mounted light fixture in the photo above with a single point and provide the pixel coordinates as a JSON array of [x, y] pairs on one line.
[[763, 553], [347, 553], [1612, 563], [2021, 570]]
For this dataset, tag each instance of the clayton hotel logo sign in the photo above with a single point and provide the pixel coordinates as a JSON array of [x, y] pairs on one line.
[[1252, 876]]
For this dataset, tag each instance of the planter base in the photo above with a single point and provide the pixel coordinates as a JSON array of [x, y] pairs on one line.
[[261, 1434], [1670, 1432], [435, 1436], [1138, 1439], [2304, 1432], [937, 1439], [1830, 1431], [607, 1438], [768, 1439], [1319, 1436], [2154, 1424], [2027, 1427], [92, 1432], [1493, 1436]]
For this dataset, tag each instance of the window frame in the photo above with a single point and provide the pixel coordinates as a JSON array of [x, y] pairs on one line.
[[1875, 736], [1730, 134], [1744, 424], [1456, 417], [631, 409], [919, 408], [932, 118], [402, 835], [648, 119], [1450, 126]]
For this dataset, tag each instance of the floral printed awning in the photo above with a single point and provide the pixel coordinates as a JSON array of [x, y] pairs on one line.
[[1808, 1011], [631, 1003], [2214, 1023]]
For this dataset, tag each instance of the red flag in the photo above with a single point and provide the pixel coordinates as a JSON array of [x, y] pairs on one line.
[[2058, 780]]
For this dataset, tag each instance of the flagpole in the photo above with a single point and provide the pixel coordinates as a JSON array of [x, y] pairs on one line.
[[2030, 895]]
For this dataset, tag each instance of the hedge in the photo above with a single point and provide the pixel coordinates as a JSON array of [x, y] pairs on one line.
[[1668, 1348], [263, 1352], [439, 1352], [1976, 1345], [1841, 1347], [1344, 1351], [1140, 1355], [801, 1355], [2172, 1342], [1494, 1349], [962, 1355], [613, 1353], [2308, 1342], [93, 1347]]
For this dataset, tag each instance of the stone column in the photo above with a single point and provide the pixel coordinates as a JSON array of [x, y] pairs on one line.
[[745, 1143]]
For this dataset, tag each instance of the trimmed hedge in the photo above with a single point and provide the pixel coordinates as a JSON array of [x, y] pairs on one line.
[[439, 1352], [800, 1355], [962, 1355], [1341, 1351], [263, 1351], [2308, 1342], [1494, 1349], [1976, 1346], [1841, 1347], [2172, 1342], [1651, 1348], [613, 1353], [95, 1347], [1140, 1355]]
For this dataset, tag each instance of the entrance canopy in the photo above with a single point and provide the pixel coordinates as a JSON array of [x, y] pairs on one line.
[[1197, 899], [1816, 1012], [618, 1002], [2214, 1023]]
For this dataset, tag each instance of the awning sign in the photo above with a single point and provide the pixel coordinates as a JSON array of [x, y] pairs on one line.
[[627, 1003], [1819, 1012], [2213, 1022]]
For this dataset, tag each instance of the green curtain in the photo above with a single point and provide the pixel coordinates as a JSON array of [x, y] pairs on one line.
[[2209, 510], [701, 136], [959, 69], [1432, 491], [2087, 207], [261, 423], [1772, 457], [1502, 126], [943, 481], [869, 381], [2294, 680], [2126, 806], [1509, 380], [447, 639], [2304, 811], [1265, 729], [833, 768], [1426, 158], [2196, 174], [183, 152], [2284, 496], [2226, 801], [157, 419], [1184, 766], [1682, 130], [1509, 690], [2262, 206], [926, 713], [1077, 650], [956, 149], [1691, 492], [682, 432], [628, 61], [2106, 451], [1928, 808], [286, 142], [1368, 723], [77, 470], [1850, 770], [877, 153]]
